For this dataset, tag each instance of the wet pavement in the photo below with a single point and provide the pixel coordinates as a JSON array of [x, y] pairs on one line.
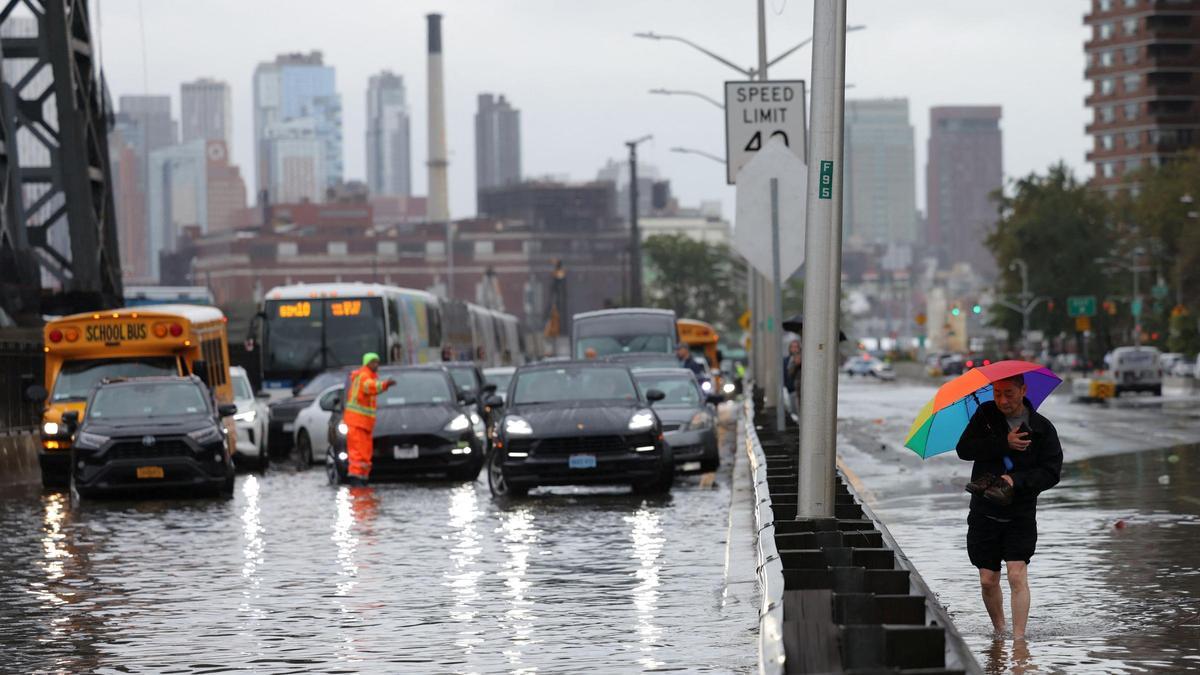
[[293, 575], [1115, 581]]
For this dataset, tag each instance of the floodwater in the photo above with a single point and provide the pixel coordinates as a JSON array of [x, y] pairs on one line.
[[1116, 578], [293, 575]]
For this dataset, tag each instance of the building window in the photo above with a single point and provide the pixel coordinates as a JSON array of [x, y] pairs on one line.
[[1131, 3], [1131, 139], [1130, 25], [1107, 113], [1107, 86], [1105, 30], [336, 248], [386, 248], [1131, 111], [287, 249], [1132, 81], [1106, 142], [435, 249], [1106, 5], [1106, 58], [1108, 169], [1131, 55], [484, 248], [1132, 165]]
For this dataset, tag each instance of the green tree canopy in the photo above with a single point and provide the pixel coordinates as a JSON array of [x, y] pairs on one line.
[[697, 279]]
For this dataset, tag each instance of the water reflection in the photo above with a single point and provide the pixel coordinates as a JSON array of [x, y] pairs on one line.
[[462, 574], [1009, 657], [519, 536], [646, 533]]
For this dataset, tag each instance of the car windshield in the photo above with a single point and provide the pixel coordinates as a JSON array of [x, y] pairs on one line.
[[415, 387], [500, 379], [464, 377], [655, 361], [578, 383], [156, 399], [676, 390], [321, 382], [77, 378], [241, 388]]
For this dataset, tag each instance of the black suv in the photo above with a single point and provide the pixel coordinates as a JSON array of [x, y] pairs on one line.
[[158, 433]]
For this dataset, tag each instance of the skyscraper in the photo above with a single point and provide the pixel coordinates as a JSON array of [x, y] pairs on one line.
[[155, 128], [292, 88], [965, 165], [1143, 60], [880, 199], [389, 144], [206, 111], [497, 143]]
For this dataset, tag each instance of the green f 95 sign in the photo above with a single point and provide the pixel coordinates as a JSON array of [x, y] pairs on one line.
[[825, 190]]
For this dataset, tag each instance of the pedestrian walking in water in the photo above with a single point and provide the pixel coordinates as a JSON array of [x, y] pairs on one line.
[[359, 416], [1017, 456]]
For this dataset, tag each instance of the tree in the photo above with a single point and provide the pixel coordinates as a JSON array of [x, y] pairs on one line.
[[697, 279], [1059, 227]]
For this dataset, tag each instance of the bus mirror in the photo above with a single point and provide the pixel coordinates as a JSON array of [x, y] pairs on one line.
[[36, 393], [71, 419]]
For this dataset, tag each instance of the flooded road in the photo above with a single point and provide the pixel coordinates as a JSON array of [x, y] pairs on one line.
[[295, 576], [1115, 581]]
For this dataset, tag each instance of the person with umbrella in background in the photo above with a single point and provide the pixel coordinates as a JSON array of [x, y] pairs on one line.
[[792, 364], [1017, 456]]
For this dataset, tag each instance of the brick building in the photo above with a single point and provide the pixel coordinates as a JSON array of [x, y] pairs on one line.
[[1143, 61]]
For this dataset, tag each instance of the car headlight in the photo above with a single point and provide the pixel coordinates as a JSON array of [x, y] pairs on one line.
[[206, 435], [476, 419], [642, 420], [701, 420], [247, 416], [517, 426], [460, 423], [729, 387], [50, 428], [85, 440], [706, 386], [343, 428]]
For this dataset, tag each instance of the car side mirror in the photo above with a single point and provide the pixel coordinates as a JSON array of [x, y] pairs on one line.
[[467, 397], [489, 388], [494, 401], [227, 410], [654, 395], [715, 399], [36, 393], [71, 419]]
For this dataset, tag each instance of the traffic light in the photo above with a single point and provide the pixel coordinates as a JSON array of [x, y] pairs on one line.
[[977, 310], [955, 310]]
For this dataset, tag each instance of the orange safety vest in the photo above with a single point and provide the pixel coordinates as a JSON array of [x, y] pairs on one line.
[[360, 401]]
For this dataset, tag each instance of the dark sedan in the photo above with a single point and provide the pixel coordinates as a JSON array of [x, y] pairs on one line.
[[581, 422], [688, 417], [158, 433], [423, 425]]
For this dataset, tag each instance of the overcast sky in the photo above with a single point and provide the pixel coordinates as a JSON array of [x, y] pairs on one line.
[[580, 78]]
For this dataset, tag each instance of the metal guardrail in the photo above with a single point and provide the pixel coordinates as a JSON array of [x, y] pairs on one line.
[[21, 364], [770, 566]]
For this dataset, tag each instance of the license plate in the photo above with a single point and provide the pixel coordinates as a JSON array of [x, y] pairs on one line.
[[149, 472], [582, 462], [288, 427], [406, 452]]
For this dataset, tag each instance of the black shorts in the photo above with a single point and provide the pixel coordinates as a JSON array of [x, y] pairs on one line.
[[990, 542]]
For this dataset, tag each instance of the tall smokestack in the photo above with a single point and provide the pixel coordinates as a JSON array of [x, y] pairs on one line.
[[439, 201]]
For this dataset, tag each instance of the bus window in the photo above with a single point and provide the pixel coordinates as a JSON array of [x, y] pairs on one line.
[[293, 336], [353, 328], [77, 378]]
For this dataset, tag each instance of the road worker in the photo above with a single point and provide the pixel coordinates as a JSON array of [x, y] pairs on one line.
[[359, 416]]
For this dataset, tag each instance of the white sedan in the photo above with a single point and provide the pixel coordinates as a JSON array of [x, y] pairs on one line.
[[250, 420], [311, 433]]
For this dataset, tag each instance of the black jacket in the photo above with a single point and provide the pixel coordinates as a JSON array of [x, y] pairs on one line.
[[1035, 469]]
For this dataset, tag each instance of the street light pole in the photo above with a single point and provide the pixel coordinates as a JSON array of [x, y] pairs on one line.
[[635, 244], [688, 92], [693, 151]]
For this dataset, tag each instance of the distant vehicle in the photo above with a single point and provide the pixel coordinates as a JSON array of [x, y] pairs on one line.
[[424, 425], [1185, 368], [1136, 369], [869, 366], [582, 422], [952, 364], [688, 416], [311, 431], [1169, 360], [152, 432], [622, 331], [1067, 362], [140, 296], [281, 431], [83, 349], [251, 420], [977, 360]]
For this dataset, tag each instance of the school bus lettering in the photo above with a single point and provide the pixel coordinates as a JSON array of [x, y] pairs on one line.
[[115, 332]]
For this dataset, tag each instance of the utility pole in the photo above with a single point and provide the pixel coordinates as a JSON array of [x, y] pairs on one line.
[[766, 319], [823, 264], [635, 235]]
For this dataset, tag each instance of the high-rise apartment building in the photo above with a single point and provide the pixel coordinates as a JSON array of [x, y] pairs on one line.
[[287, 91], [155, 126], [389, 144], [206, 111], [965, 166], [880, 197], [129, 198], [1143, 61], [497, 143]]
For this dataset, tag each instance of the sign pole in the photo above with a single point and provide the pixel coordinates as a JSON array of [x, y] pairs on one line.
[[823, 258], [777, 294]]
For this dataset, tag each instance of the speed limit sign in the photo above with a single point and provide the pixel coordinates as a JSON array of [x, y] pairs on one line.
[[756, 112]]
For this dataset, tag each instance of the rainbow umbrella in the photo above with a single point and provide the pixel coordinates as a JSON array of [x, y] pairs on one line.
[[942, 421]]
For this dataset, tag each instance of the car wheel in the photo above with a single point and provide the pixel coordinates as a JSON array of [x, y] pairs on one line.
[[303, 451], [331, 470], [498, 484], [662, 484], [1158, 390], [226, 489]]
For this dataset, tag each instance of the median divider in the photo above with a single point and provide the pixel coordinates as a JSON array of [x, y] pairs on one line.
[[838, 594]]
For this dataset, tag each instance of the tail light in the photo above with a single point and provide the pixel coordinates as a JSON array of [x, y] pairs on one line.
[[55, 335], [970, 364], [176, 330], [987, 362], [72, 334], [160, 330]]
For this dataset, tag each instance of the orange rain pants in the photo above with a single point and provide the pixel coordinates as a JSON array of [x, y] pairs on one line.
[[359, 446]]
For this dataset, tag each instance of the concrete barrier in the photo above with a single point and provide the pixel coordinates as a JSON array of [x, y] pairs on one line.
[[18, 459]]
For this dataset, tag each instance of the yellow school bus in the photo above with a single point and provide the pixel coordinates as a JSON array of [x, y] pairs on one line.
[[701, 336], [83, 349]]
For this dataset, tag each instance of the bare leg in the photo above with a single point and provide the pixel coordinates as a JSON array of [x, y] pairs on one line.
[[1018, 582], [993, 598]]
